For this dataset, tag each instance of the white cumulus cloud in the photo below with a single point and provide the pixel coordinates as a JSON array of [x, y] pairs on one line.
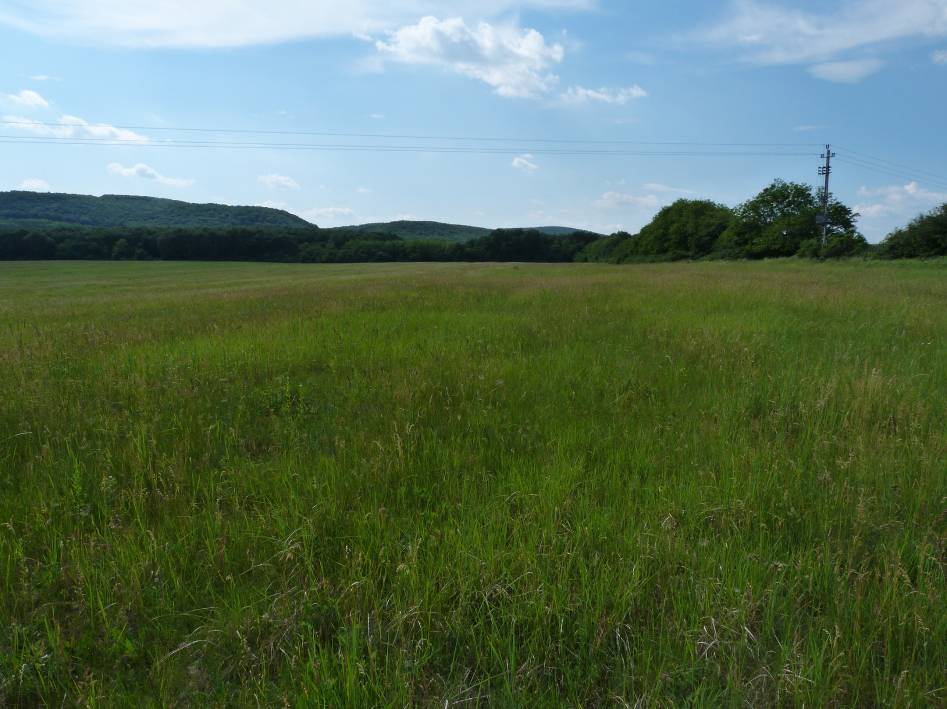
[[619, 96], [514, 62], [900, 200], [525, 163], [27, 99], [278, 182], [146, 172], [35, 184], [232, 23]]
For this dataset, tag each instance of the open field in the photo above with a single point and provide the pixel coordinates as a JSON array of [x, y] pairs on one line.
[[705, 483]]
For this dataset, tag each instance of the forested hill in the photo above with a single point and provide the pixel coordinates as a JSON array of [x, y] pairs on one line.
[[129, 211], [419, 230], [110, 211], [439, 231]]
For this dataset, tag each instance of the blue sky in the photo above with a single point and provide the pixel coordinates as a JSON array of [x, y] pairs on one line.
[[869, 77]]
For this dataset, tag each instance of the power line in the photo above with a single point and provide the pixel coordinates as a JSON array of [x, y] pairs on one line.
[[901, 166], [890, 172], [527, 145], [337, 147], [395, 136], [533, 145]]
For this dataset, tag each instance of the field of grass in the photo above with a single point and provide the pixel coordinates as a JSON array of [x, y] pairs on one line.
[[462, 485]]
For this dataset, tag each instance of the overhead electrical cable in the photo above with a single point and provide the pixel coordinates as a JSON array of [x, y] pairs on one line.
[[865, 157], [396, 136], [891, 172], [359, 147]]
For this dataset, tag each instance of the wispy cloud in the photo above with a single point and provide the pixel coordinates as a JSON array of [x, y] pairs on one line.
[[847, 72], [612, 199], [35, 184], [330, 213], [577, 95], [665, 189], [146, 172], [72, 127], [639, 57], [652, 196], [940, 57], [27, 99], [525, 163], [275, 182], [231, 23], [765, 33]]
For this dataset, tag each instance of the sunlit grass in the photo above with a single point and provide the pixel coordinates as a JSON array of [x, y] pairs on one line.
[[473, 484]]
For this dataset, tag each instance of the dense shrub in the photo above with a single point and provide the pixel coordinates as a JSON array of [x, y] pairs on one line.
[[780, 219], [925, 237]]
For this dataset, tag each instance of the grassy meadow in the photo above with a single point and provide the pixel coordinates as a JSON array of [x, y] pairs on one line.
[[462, 485]]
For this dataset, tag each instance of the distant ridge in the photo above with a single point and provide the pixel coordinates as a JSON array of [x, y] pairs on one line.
[[20, 208], [556, 230], [131, 211], [439, 231], [420, 230]]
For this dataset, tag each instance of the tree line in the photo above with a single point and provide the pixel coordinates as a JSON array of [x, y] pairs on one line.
[[782, 220], [309, 245]]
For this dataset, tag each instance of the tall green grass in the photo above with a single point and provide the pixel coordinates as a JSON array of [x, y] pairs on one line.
[[462, 485]]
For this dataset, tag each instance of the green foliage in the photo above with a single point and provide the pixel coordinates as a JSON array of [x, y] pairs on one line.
[[686, 229], [925, 237], [607, 249], [130, 211], [525, 245], [438, 231], [843, 245], [779, 220], [351, 245], [420, 231], [699, 484], [122, 250]]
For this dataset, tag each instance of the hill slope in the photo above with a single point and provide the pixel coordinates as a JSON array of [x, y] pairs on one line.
[[128, 211], [18, 208], [555, 230], [439, 231], [420, 230]]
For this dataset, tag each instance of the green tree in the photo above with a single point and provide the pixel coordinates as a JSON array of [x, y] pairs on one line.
[[604, 248], [122, 251], [924, 237], [780, 219], [689, 228]]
